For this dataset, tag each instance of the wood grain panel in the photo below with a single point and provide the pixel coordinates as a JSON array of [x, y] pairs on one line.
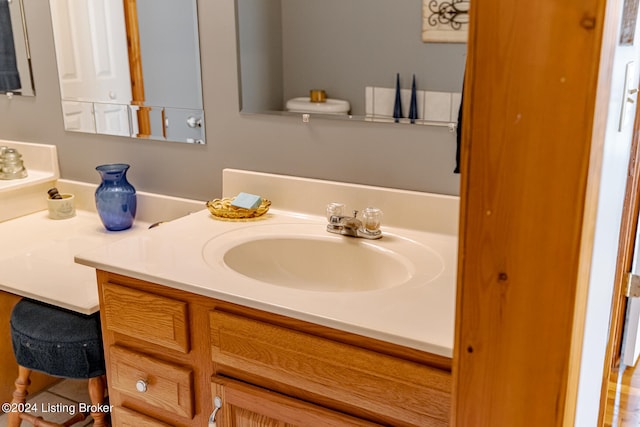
[[146, 316], [123, 417], [245, 405], [402, 391], [535, 110], [168, 386]]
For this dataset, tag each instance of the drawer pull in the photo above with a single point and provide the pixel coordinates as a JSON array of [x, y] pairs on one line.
[[141, 386], [217, 401]]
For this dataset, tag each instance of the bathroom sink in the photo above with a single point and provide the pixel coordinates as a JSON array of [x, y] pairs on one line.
[[306, 257]]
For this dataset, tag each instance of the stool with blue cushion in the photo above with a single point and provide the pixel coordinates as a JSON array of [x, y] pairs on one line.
[[60, 343]]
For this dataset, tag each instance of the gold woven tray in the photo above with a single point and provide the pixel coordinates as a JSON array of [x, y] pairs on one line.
[[221, 208]]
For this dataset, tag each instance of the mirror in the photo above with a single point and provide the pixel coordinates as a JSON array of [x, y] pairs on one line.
[[15, 59], [353, 50], [130, 68]]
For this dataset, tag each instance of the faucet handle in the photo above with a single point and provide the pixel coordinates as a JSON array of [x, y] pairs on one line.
[[334, 209], [371, 219]]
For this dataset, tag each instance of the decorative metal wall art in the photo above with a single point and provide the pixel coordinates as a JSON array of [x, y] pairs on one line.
[[445, 21]]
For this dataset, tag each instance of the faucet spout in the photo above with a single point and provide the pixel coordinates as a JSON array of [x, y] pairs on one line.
[[350, 226]]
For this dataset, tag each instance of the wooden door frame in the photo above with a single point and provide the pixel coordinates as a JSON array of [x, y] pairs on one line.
[[535, 118], [628, 229], [135, 68]]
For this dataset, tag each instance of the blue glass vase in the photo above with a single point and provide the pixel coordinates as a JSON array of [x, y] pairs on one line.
[[116, 200]]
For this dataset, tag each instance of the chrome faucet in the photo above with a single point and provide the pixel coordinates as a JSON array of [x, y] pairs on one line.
[[351, 226]]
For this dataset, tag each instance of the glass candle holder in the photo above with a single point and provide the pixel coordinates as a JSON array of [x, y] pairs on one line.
[[371, 219]]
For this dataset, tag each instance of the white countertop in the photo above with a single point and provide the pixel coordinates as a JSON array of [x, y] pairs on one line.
[[419, 316], [36, 258], [36, 252]]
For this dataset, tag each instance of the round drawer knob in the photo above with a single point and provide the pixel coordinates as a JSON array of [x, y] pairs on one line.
[[141, 386]]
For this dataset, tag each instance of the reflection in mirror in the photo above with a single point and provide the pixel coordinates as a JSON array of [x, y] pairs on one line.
[[130, 68], [353, 50], [15, 60]]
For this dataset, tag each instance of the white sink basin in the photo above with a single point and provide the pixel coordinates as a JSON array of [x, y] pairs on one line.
[[305, 257], [317, 264]]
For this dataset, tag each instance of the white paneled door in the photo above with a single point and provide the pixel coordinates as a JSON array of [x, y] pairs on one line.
[[90, 38]]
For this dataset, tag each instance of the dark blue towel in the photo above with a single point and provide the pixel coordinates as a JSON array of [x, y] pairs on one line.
[[9, 77]]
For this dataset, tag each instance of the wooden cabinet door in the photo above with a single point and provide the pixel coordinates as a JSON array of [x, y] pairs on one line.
[[249, 406]]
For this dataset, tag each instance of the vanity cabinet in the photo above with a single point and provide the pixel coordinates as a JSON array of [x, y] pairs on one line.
[[155, 376], [170, 353]]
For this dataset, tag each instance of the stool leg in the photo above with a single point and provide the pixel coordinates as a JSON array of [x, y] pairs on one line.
[[96, 392], [19, 395]]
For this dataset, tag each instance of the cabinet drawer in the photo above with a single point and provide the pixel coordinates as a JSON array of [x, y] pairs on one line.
[[152, 381], [146, 316], [393, 390], [123, 417]]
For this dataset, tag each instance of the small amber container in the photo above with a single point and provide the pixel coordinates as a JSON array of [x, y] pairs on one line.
[[317, 95]]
